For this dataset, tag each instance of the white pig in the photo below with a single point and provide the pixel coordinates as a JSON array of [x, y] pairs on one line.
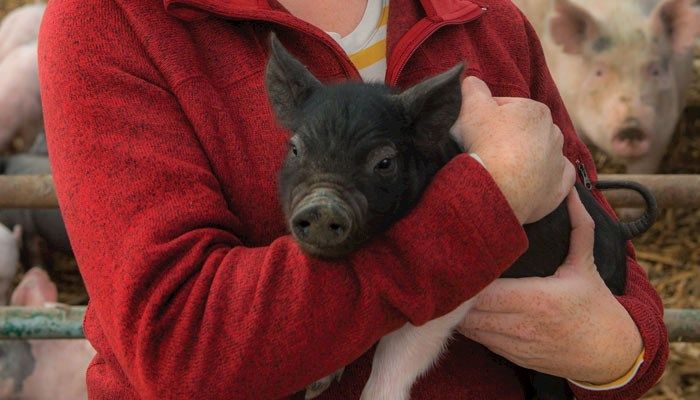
[[623, 68], [9, 259], [42, 369], [20, 101], [20, 26]]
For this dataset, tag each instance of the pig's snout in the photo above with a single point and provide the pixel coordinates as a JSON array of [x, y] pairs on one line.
[[631, 140], [321, 220], [321, 224]]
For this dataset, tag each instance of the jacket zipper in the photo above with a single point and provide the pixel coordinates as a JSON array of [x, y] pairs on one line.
[[411, 41], [584, 175]]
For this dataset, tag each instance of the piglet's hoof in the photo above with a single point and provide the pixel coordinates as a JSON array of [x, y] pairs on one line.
[[320, 386]]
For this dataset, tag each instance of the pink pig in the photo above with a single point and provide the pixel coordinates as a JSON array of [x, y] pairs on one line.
[[20, 26], [42, 369], [20, 101], [623, 68]]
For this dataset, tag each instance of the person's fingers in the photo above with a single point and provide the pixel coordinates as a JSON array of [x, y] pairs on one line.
[[475, 95], [522, 354], [582, 231], [514, 325], [569, 176], [568, 180], [508, 295], [558, 138], [490, 339]]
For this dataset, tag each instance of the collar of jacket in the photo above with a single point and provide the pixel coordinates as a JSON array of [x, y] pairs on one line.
[[411, 22], [191, 10]]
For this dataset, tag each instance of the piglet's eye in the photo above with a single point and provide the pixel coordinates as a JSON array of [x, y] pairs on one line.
[[383, 161], [385, 164], [293, 149]]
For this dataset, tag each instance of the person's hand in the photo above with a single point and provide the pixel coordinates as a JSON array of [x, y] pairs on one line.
[[520, 147], [568, 325]]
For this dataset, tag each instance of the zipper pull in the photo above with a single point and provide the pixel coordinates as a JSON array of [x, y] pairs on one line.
[[584, 175]]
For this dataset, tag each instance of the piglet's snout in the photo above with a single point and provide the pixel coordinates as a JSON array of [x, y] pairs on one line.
[[321, 220]]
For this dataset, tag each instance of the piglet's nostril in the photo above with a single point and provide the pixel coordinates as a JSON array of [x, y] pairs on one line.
[[321, 223], [303, 224], [301, 227]]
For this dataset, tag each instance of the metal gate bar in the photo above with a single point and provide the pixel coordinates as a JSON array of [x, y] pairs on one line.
[[59, 322], [671, 191], [65, 322], [27, 191], [37, 191], [683, 325]]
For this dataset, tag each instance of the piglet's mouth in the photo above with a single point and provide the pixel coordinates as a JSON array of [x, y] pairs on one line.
[[631, 143]]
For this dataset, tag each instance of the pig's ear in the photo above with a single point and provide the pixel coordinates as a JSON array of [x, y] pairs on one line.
[[432, 106], [289, 83], [17, 233], [679, 20], [35, 289], [571, 26]]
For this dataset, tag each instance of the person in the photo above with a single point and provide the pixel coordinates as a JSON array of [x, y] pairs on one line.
[[165, 151]]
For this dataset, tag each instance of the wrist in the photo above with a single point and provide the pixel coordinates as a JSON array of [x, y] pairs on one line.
[[491, 166], [617, 383], [619, 351]]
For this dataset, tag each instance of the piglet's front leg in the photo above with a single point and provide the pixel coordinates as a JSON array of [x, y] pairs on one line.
[[405, 354]]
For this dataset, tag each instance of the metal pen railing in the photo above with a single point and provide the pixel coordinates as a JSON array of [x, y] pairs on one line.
[[60, 321]]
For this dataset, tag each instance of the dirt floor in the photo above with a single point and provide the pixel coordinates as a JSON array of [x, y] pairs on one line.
[[670, 253]]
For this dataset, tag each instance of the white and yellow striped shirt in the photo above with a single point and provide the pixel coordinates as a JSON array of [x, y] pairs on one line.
[[366, 44]]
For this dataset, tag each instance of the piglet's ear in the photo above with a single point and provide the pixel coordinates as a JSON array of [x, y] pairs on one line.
[[572, 27], [679, 20], [432, 106], [289, 83]]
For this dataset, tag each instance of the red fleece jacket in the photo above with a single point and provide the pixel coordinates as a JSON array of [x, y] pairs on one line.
[[165, 151]]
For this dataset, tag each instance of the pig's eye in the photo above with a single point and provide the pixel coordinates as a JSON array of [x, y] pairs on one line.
[[382, 161], [599, 72], [386, 167], [293, 149], [385, 164]]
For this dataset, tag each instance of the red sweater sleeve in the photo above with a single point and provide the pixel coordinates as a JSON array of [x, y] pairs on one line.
[[640, 299], [189, 311]]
